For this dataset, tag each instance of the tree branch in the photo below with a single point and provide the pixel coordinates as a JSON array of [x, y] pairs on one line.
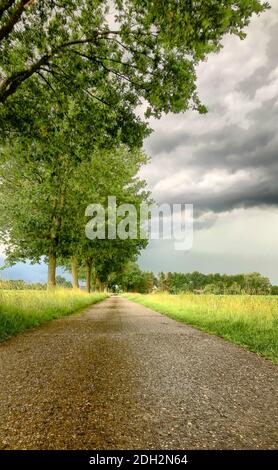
[[115, 72], [6, 29], [47, 82], [11, 84], [101, 100]]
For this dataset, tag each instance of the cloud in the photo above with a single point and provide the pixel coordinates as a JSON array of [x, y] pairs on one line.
[[261, 75], [228, 158], [226, 162]]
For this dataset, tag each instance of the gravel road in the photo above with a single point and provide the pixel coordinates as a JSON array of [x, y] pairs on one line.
[[120, 376]]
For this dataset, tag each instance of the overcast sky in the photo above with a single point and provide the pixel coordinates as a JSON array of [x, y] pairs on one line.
[[226, 162]]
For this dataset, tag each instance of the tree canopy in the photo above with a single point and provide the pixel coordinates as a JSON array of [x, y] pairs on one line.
[[143, 49], [44, 195]]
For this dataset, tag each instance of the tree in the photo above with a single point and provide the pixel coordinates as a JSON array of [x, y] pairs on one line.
[[111, 172], [109, 259], [150, 53], [62, 282], [33, 205], [132, 279], [74, 271], [162, 282], [44, 194], [211, 289], [255, 283], [274, 290], [234, 289]]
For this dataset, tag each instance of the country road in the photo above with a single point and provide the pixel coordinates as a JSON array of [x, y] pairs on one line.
[[120, 376]]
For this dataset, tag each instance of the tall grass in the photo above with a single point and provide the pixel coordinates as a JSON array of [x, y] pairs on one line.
[[20, 310], [249, 321]]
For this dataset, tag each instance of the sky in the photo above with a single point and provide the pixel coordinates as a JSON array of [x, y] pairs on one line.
[[225, 163]]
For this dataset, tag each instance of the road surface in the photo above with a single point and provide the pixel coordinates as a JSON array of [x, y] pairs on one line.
[[121, 376]]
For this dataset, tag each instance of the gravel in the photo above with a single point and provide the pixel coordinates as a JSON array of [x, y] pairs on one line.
[[121, 376]]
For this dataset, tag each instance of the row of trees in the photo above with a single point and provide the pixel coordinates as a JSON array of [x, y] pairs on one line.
[[44, 195], [252, 283], [72, 75], [135, 280]]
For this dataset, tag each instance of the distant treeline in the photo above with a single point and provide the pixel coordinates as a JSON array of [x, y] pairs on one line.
[[252, 283], [20, 285], [135, 280], [23, 285]]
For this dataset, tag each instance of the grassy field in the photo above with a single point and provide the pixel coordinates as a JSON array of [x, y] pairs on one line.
[[20, 310], [249, 321]]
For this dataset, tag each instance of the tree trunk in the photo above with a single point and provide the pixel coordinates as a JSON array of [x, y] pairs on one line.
[[88, 275], [74, 272], [99, 285], [51, 283]]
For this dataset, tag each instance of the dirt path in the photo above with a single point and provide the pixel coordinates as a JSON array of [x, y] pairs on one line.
[[122, 376]]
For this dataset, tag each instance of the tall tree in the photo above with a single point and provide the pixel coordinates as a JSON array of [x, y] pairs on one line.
[[112, 172], [44, 194], [34, 194]]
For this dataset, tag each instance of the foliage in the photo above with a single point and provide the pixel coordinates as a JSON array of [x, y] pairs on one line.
[[252, 283], [44, 194], [68, 154], [274, 290], [62, 282], [150, 53], [132, 279], [111, 174], [249, 321]]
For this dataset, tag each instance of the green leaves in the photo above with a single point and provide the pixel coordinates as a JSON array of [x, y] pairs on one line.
[[46, 185], [75, 44]]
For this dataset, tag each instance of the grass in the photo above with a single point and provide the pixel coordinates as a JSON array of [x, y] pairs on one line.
[[249, 321], [20, 310]]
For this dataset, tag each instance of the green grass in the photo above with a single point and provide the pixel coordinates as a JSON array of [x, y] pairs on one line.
[[249, 321], [20, 310]]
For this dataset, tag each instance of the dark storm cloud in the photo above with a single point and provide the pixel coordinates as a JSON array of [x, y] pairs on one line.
[[226, 162], [242, 195], [231, 146], [235, 148], [229, 158], [166, 143]]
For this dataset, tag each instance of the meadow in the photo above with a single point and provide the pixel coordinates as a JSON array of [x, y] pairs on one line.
[[20, 310], [249, 321]]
